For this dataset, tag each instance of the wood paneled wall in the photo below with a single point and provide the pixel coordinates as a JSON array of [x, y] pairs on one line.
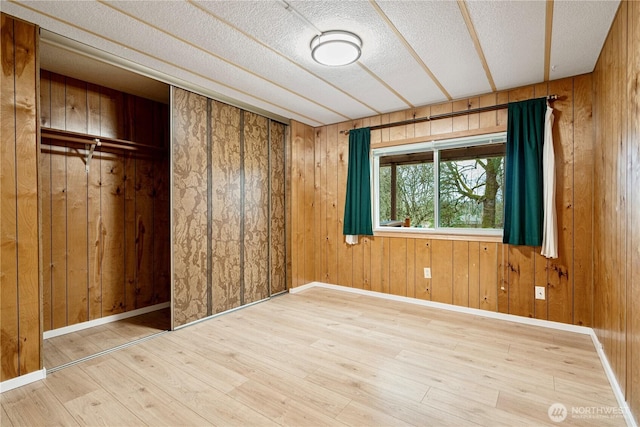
[[20, 335], [617, 210], [469, 273], [105, 234], [228, 207]]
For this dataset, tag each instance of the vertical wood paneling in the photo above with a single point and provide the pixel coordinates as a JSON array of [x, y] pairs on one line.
[[297, 207], [256, 214], [76, 217], [58, 237], [189, 207], [310, 233], [96, 238], [442, 271], [8, 220], [112, 195], [130, 235], [27, 154], [616, 153], [161, 225], [375, 250], [561, 278], [520, 269], [144, 237], [226, 205], [278, 220], [633, 242], [45, 232], [331, 191], [461, 269], [583, 202], [20, 318], [76, 118], [423, 259], [398, 266], [321, 201], [77, 206], [319, 146], [474, 274], [411, 268], [345, 255], [489, 276]]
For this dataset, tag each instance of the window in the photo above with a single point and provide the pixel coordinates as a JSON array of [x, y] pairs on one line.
[[453, 185]]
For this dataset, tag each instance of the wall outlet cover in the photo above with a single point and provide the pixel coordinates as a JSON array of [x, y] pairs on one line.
[[427, 273], [540, 291]]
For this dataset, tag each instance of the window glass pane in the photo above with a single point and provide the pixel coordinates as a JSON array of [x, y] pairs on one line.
[[413, 198], [471, 191]]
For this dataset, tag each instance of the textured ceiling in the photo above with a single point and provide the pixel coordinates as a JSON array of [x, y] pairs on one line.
[[256, 53]]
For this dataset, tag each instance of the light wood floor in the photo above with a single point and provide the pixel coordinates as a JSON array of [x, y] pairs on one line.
[[67, 348], [324, 357]]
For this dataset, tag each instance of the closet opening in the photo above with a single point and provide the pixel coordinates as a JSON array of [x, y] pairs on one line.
[[104, 196]]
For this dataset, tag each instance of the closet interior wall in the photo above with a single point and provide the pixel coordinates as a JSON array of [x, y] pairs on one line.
[[105, 232], [228, 207]]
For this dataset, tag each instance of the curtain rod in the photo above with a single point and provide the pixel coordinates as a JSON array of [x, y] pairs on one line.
[[447, 115]]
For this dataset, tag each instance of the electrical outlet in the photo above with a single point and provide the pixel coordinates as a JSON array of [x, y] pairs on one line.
[[540, 292], [427, 273]]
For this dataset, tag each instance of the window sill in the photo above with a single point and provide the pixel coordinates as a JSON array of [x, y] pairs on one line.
[[417, 233]]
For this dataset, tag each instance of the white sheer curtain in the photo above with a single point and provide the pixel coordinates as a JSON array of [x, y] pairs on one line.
[[550, 221]]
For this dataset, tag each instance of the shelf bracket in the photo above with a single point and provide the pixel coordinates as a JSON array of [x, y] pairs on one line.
[[90, 149]]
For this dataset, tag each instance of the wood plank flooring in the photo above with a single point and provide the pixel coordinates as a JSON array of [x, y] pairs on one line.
[[324, 357], [77, 345]]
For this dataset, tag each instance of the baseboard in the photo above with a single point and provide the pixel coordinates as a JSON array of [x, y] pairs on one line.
[[103, 320], [449, 307], [615, 386], [22, 380]]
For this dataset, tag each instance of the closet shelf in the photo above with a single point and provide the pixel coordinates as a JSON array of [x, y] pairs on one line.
[[63, 137]]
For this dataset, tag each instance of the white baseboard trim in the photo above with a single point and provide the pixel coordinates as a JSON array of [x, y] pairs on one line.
[[615, 386], [103, 321], [22, 380], [449, 307], [613, 381]]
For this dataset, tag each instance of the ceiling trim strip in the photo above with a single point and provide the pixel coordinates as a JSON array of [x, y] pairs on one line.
[[220, 58], [476, 42], [409, 48], [161, 76], [382, 82], [548, 29], [261, 43]]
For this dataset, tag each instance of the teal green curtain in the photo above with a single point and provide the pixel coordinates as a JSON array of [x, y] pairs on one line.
[[357, 210], [523, 208]]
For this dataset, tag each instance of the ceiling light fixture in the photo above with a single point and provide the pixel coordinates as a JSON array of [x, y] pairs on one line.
[[336, 48]]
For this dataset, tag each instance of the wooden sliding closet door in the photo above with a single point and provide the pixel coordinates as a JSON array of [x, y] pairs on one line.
[[190, 206], [277, 178], [256, 207], [226, 212], [228, 207]]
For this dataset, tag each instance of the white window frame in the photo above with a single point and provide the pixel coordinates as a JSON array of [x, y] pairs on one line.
[[435, 147]]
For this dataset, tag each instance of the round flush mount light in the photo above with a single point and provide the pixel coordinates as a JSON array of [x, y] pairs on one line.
[[335, 48]]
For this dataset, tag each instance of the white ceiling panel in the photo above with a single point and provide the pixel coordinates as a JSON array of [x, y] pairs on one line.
[[191, 26], [382, 51], [263, 21], [437, 32], [575, 49], [512, 37], [255, 54]]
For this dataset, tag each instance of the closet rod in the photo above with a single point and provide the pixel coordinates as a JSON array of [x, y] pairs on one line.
[[445, 115], [62, 137]]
